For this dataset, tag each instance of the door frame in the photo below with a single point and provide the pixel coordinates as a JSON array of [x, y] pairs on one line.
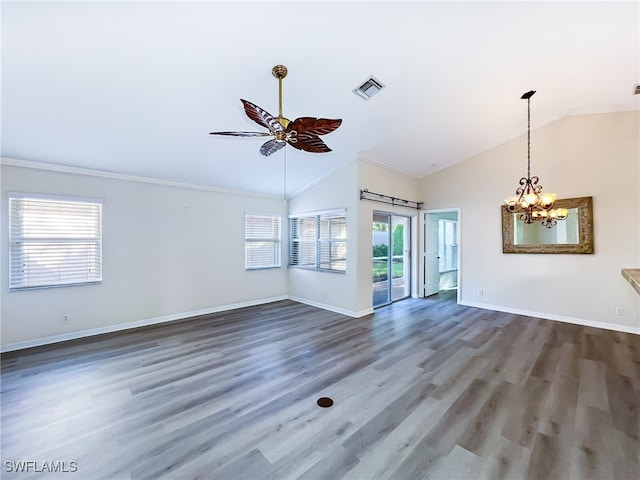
[[408, 263], [422, 247]]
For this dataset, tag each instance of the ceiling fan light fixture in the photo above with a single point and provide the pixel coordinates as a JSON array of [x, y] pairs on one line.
[[369, 88]]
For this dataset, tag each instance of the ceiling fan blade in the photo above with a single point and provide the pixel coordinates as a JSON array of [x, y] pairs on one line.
[[261, 116], [303, 133], [313, 126], [242, 134], [309, 143], [271, 146]]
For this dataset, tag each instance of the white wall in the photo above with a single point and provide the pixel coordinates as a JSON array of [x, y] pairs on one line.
[[171, 251], [333, 291], [168, 251], [594, 155], [351, 293]]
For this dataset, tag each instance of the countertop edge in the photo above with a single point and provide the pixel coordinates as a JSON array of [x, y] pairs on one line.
[[632, 275]]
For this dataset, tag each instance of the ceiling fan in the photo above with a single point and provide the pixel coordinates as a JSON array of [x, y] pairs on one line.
[[303, 133]]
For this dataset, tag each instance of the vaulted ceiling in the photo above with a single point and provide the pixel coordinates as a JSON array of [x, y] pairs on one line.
[[135, 88]]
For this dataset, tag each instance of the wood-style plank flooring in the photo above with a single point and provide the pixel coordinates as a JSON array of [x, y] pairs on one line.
[[424, 388]]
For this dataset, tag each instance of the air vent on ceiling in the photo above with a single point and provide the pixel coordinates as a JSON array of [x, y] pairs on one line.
[[636, 89], [369, 88]]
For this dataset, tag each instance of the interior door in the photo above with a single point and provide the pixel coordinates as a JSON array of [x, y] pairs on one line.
[[431, 258]]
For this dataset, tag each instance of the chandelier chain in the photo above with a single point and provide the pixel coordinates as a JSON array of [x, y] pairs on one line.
[[529, 137]]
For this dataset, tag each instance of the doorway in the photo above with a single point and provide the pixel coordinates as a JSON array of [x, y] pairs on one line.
[[441, 252], [391, 274]]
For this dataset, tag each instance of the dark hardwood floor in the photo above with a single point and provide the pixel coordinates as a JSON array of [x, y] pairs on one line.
[[424, 388]]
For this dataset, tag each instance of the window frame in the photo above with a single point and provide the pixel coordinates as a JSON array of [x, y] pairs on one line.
[[21, 241], [316, 242], [276, 240], [447, 252]]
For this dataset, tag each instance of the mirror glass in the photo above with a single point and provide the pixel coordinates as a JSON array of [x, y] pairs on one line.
[[572, 235], [565, 232]]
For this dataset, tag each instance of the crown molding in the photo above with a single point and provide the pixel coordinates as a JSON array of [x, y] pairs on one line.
[[367, 158], [54, 167]]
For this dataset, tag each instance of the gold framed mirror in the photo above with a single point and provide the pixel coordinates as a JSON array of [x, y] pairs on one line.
[[573, 235]]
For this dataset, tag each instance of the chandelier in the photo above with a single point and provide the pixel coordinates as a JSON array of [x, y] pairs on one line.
[[530, 203]]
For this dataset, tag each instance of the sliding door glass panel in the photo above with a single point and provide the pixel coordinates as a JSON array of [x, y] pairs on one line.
[[380, 275], [400, 265], [391, 258]]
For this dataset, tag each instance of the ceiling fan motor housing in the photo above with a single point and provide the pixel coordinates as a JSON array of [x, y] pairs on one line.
[[279, 71]]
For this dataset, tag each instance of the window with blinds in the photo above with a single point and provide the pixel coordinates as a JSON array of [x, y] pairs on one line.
[[262, 242], [447, 245], [54, 241], [319, 241]]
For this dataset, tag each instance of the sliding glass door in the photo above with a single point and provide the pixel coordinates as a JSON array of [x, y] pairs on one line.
[[391, 265]]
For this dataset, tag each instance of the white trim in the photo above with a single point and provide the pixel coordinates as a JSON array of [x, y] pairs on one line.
[[458, 210], [263, 214], [135, 324], [55, 197], [332, 308], [331, 211], [442, 210], [559, 318], [52, 167], [350, 313], [171, 318]]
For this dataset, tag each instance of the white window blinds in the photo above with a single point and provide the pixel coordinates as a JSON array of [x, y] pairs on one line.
[[319, 241], [447, 245], [263, 240], [303, 242], [54, 241], [333, 242]]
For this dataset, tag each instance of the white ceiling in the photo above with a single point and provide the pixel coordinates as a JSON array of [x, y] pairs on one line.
[[135, 88]]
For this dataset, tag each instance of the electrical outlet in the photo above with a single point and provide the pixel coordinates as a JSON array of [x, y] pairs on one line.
[[619, 311], [480, 293], [64, 318]]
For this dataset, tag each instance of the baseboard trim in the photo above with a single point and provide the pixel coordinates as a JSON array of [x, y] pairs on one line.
[[559, 318], [135, 324], [332, 308], [350, 313]]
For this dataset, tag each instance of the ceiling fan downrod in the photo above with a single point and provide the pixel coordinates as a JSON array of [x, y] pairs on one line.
[[280, 71]]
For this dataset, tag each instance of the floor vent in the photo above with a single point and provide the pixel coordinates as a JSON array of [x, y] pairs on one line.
[[369, 88], [636, 90], [324, 402]]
